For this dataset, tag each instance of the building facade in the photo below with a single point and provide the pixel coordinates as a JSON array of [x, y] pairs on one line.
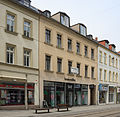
[[61, 48], [19, 81], [108, 73]]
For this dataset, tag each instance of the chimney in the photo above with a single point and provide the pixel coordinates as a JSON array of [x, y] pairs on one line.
[[110, 47], [96, 38], [118, 52]]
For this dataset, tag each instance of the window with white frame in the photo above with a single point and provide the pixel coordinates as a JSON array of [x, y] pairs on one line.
[[27, 28], [27, 57], [100, 74], [65, 20], [10, 22], [105, 75], [48, 63], [116, 77], [109, 75], [100, 56], [113, 77], [83, 30], [10, 55], [116, 63]]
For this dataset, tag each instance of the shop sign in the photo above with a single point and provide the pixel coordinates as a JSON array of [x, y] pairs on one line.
[[118, 90], [74, 70], [77, 86], [15, 86], [103, 87], [69, 86]]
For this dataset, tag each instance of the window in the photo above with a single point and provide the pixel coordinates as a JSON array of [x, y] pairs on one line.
[[48, 64], [78, 48], [86, 51], [113, 61], [109, 75], [113, 77], [65, 20], [116, 77], [116, 63], [105, 73], [86, 71], [109, 60], [47, 36], [78, 66], [100, 72], [92, 53], [92, 72], [27, 29], [105, 58], [100, 56], [83, 30], [26, 57], [69, 45], [69, 67], [59, 65], [59, 43], [10, 55], [10, 22]]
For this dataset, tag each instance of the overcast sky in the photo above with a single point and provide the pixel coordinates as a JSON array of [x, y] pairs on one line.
[[102, 17]]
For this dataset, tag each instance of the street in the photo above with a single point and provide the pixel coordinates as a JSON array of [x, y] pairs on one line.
[[81, 111]]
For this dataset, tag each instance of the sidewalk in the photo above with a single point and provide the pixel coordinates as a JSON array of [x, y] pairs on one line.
[[53, 112]]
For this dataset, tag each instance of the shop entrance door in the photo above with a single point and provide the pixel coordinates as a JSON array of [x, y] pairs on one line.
[[92, 96]]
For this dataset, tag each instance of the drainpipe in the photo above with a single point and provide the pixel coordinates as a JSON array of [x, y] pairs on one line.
[[26, 98]]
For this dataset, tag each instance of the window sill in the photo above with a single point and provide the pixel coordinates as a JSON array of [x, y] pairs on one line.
[[60, 73], [70, 74], [48, 44], [59, 48], [93, 59], [86, 57], [78, 76], [93, 78], [101, 62], [79, 54], [70, 51], [10, 32], [48, 71], [105, 63], [86, 77], [29, 38]]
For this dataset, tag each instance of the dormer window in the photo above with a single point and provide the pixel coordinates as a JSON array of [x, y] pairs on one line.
[[65, 20], [83, 30], [27, 3]]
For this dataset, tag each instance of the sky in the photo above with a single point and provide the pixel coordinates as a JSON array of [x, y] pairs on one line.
[[101, 17]]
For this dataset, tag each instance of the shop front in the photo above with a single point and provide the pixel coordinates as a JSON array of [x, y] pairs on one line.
[[103, 89], [111, 94], [84, 94], [118, 95], [14, 93], [65, 93]]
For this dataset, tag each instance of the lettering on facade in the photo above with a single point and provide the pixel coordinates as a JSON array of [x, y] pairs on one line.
[[69, 79]]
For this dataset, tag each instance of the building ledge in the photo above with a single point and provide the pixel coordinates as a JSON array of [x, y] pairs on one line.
[[60, 73], [59, 48], [48, 71], [49, 44], [10, 32], [29, 38]]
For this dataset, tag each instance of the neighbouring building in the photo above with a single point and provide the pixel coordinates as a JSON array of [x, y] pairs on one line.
[[19, 81], [108, 73], [62, 47]]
